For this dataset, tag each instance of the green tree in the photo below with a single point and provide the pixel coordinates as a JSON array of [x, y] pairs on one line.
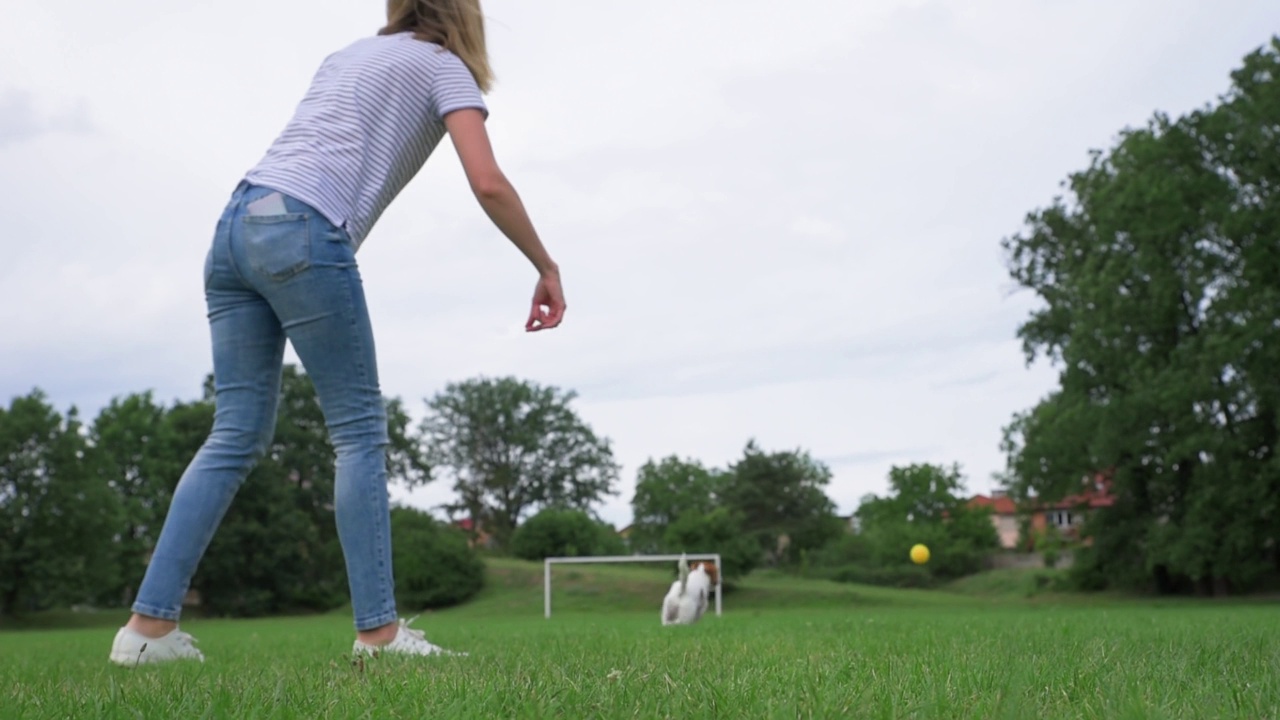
[[406, 456], [919, 493], [665, 490], [563, 532], [434, 567], [926, 505], [715, 531], [610, 542], [133, 452], [781, 494], [510, 447], [1158, 282], [57, 521], [847, 549]]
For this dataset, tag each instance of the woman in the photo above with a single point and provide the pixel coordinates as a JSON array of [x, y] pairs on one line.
[[282, 265]]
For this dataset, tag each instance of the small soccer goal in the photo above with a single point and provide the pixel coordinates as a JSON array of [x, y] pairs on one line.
[[546, 576]]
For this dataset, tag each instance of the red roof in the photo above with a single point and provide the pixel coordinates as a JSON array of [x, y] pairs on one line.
[[1002, 505], [464, 523], [1096, 494]]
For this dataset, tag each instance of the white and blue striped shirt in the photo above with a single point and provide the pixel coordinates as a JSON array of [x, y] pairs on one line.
[[372, 116]]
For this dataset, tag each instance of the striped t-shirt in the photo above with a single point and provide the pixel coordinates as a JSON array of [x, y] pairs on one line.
[[372, 116]]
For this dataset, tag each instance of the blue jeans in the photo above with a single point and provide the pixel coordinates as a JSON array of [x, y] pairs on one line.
[[268, 278]]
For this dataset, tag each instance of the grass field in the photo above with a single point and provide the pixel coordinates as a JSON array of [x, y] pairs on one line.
[[783, 649]]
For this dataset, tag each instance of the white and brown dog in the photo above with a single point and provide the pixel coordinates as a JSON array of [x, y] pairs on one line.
[[686, 601]]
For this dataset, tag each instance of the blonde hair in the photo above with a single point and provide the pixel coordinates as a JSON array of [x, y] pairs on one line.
[[455, 25]]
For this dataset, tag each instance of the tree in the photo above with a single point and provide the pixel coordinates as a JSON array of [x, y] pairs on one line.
[[920, 493], [718, 531], [563, 532], [512, 446], [57, 545], [406, 457], [665, 490], [434, 566], [926, 505], [133, 452], [81, 511], [781, 495], [1158, 281]]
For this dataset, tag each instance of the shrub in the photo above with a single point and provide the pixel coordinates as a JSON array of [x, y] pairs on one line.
[[434, 567], [561, 532], [898, 576], [847, 549], [718, 531], [610, 542], [1050, 543], [1087, 573], [953, 553]]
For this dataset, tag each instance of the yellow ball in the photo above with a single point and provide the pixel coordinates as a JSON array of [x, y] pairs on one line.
[[919, 554]]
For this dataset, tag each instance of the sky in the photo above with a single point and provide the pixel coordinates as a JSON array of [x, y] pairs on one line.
[[774, 221]]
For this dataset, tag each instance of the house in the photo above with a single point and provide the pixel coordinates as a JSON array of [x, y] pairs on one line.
[[851, 523], [476, 535], [1066, 516], [1069, 514], [625, 535], [1004, 515]]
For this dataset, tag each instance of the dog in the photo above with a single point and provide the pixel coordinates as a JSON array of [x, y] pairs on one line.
[[686, 601]]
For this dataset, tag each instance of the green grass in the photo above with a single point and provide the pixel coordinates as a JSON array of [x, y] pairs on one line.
[[1012, 583], [783, 649], [515, 588]]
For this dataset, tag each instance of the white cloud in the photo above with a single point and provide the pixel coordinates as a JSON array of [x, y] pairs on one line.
[[777, 221], [21, 119]]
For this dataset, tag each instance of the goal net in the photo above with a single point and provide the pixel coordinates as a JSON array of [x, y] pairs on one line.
[[546, 577]]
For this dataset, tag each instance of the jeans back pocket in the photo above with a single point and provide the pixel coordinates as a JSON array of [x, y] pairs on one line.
[[277, 246]]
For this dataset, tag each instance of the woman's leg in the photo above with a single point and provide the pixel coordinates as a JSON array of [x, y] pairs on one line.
[[248, 350], [320, 301]]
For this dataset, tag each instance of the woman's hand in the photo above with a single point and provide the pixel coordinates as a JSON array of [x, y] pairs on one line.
[[548, 303]]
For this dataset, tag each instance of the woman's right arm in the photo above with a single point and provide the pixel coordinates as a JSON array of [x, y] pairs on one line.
[[503, 206]]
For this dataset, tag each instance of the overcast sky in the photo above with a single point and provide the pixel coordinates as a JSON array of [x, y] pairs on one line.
[[774, 220]]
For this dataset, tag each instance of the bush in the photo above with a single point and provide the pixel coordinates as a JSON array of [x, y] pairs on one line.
[[558, 532], [1050, 543], [610, 542], [898, 576], [718, 531], [813, 537], [1013, 582], [434, 567], [847, 549], [953, 553], [1086, 573]]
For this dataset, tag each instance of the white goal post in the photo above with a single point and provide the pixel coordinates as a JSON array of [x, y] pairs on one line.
[[546, 576]]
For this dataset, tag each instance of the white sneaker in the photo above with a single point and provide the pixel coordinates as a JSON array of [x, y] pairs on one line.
[[131, 648], [408, 641]]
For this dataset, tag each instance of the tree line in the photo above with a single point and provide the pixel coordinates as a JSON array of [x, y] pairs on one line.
[[82, 505], [772, 508]]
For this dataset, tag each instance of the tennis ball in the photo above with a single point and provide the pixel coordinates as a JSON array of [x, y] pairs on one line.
[[919, 554]]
